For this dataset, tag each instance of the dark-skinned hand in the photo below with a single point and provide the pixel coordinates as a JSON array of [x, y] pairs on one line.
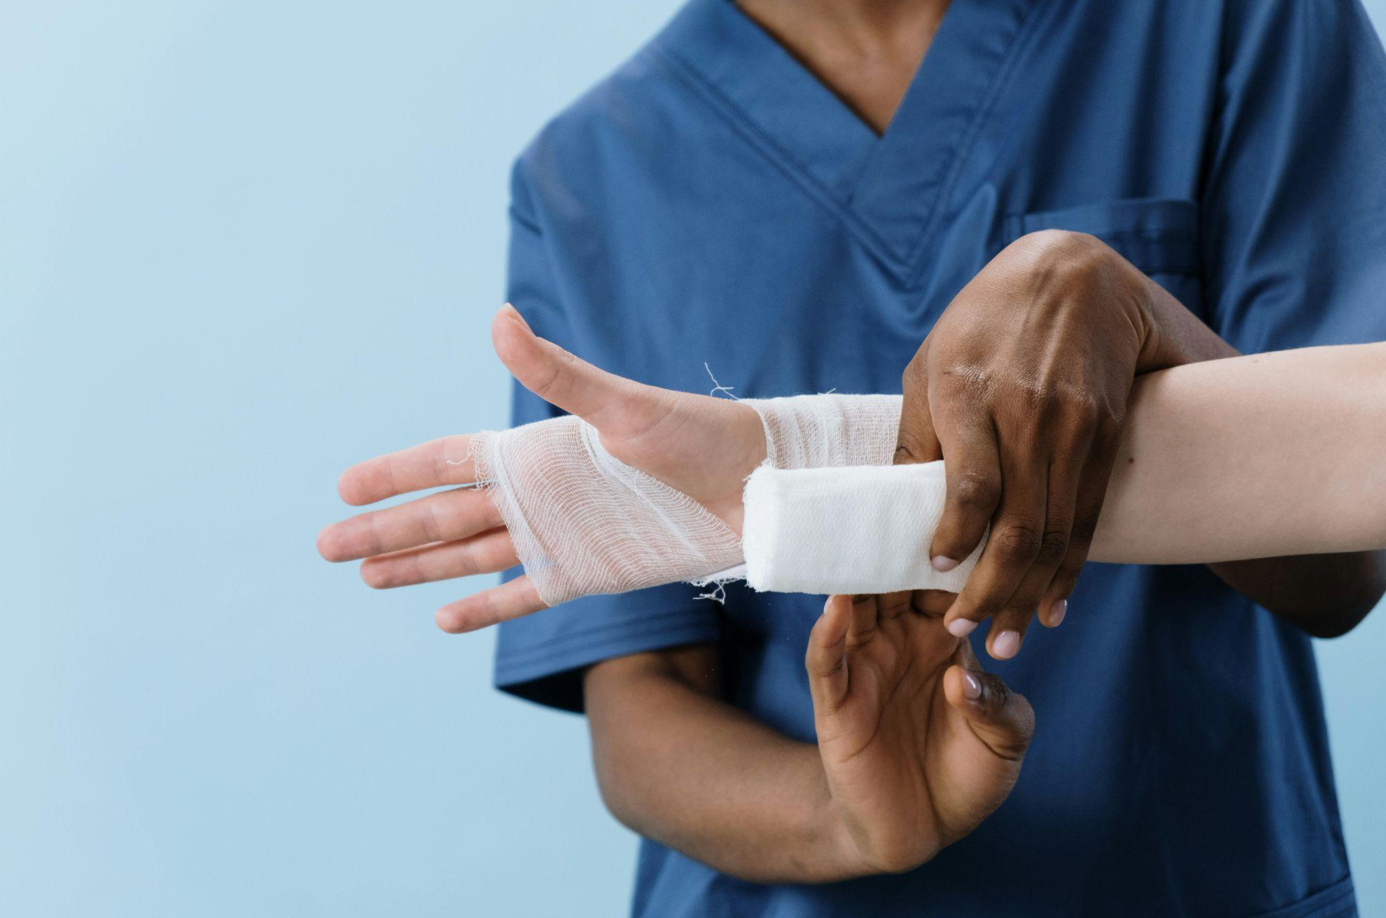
[[1022, 387], [918, 744]]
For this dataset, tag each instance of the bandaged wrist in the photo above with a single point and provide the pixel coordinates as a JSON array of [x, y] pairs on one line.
[[583, 522], [820, 431]]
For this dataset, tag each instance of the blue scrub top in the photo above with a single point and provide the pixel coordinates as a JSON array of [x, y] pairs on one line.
[[712, 201]]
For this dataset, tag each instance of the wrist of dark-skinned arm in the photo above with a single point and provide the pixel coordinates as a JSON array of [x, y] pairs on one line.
[[1175, 336], [1324, 595], [680, 766]]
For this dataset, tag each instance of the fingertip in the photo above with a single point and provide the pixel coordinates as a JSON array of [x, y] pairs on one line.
[[954, 540], [327, 544], [1054, 613], [831, 626], [450, 621], [999, 717], [961, 627], [510, 334], [1004, 644], [374, 575], [350, 490], [509, 309], [962, 688]]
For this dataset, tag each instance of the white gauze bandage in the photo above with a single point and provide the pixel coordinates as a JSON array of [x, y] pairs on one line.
[[828, 513], [583, 522], [864, 529]]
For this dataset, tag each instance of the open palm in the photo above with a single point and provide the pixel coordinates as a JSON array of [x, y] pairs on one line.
[[702, 446], [918, 744]]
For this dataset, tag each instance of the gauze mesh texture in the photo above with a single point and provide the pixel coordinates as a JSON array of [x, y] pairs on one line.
[[583, 522], [821, 431]]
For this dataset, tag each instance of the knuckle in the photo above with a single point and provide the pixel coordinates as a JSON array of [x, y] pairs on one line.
[[1108, 424], [977, 491], [1016, 543], [434, 523], [1039, 398], [910, 444], [1084, 409], [969, 382]]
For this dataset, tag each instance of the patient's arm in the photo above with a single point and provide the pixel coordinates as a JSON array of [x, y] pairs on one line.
[[1261, 457], [1252, 457], [1230, 459]]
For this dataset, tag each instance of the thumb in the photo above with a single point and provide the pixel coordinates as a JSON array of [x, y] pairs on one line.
[[916, 441], [602, 399], [1001, 719], [826, 659]]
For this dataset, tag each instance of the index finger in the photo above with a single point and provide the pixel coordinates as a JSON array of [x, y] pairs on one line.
[[445, 461]]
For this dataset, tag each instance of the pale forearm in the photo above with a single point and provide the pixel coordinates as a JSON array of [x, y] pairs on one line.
[[682, 767], [1325, 593], [1252, 457]]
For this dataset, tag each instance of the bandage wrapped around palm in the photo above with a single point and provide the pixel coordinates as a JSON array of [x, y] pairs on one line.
[[637, 487]]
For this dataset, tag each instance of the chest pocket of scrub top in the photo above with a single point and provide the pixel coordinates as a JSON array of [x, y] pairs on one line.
[[1157, 235]]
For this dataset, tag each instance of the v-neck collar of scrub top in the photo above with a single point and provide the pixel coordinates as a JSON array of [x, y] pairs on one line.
[[886, 188]]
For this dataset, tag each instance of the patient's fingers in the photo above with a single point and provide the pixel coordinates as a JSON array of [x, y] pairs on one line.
[[490, 607], [445, 461], [486, 553], [436, 518]]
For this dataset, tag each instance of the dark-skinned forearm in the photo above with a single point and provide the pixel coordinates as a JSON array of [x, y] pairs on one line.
[[1326, 595], [682, 767]]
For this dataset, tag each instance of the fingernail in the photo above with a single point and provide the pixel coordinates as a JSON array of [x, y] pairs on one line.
[[1005, 645], [1057, 613], [516, 313], [972, 687], [961, 627], [942, 563]]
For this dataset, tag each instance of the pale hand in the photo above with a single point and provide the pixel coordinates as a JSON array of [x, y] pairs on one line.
[[918, 744], [702, 446]]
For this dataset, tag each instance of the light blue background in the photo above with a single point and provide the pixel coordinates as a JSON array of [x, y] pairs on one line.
[[243, 244]]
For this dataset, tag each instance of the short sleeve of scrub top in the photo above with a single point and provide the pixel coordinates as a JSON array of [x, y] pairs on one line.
[[1294, 196]]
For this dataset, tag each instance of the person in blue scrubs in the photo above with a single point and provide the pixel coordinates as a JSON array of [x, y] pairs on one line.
[[715, 202]]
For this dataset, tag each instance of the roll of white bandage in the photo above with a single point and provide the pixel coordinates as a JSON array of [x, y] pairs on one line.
[[857, 529]]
